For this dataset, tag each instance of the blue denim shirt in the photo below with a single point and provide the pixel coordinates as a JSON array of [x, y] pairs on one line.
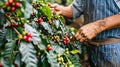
[[107, 55]]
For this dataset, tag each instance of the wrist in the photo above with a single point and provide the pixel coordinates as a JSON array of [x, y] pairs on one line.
[[100, 25]]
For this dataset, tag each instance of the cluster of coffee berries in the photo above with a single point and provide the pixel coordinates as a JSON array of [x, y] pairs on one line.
[[12, 5], [69, 64], [66, 40], [59, 59], [36, 5], [67, 51], [13, 25], [27, 37], [49, 47], [56, 38], [39, 21]]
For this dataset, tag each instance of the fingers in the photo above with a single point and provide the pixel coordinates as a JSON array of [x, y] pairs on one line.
[[55, 8], [78, 36], [53, 5], [81, 36]]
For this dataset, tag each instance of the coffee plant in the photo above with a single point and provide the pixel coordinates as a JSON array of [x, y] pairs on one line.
[[32, 36]]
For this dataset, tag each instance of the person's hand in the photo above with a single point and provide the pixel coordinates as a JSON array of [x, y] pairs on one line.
[[57, 9], [62, 10], [87, 32]]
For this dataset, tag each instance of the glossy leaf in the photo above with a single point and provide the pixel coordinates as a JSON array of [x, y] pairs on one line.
[[2, 37], [8, 54], [27, 11], [47, 27], [52, 59], [74, 60], [28, 54], [2, 18], [10, 34], [57, 23]]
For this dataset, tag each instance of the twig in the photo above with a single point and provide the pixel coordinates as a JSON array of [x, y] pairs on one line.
[[16, 31]]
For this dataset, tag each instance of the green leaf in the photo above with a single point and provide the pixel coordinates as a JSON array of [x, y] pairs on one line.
[[42, 46], [61, 18], [44, 40], [10, 34], [58, 49], [47, 27], [46, 11], [52, 59], [23, 4], [2, 3], [63, 28], [43, 61], [29, 29], [27, 11], [2, 37], [28, 54], [74, 51], [73, 30], [2, 18], [8, 54], [57, 23], [77, 45], [19, 13], [18, 59], [74, 60]]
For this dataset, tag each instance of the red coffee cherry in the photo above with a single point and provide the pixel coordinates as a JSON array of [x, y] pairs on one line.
[[27, 37], [13, 9], [49, 48], [17, 4], [14, 24], [39, 21], [66, 40], [24, 37], [7, 4]]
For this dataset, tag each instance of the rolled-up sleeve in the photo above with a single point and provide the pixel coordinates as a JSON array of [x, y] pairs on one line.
[[77, 7], [117, 3]]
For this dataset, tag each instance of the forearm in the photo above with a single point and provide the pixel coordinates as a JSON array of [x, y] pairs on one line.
[[108, 23]]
